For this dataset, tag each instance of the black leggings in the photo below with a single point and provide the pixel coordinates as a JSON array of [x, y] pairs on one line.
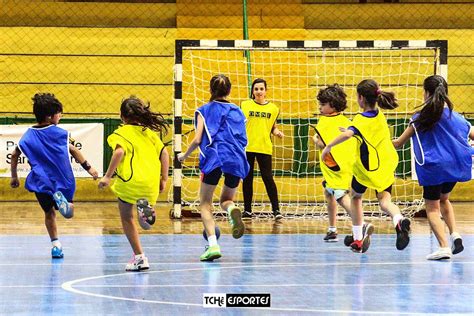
[[265, 165]]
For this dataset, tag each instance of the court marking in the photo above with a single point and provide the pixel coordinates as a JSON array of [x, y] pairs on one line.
[[68, 286]]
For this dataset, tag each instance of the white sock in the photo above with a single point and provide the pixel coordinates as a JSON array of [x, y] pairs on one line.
[[332, 229], [396, 218], [455, 235], [140, 256], [212, 240], [56, 243], [357, 232]]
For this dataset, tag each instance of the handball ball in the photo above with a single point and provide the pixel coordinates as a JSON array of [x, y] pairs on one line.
[[218, 233]]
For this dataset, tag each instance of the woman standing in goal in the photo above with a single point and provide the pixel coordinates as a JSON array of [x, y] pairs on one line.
[[376, 161], [443, 157], [221, 138], [261, 118]]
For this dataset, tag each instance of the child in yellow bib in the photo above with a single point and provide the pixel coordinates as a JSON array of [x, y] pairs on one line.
[[337, 169], [140, 162], [376, 161]]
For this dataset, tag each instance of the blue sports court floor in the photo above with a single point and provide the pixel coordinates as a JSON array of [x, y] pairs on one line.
[[302, 273]]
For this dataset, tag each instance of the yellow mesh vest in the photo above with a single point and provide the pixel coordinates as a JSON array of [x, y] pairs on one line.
[[260, 121], [343, 154], [377, 169], [139, 172]]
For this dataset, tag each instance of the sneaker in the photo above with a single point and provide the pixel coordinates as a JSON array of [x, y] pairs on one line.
[[330, 237], [277, 215], [146, 214], [363, 245], [137, 263], [211, 253], [57, 252], [235, 220], [246, 215], [457, 246], [63, 205], [403, 233], [440, 254], [348, 240]]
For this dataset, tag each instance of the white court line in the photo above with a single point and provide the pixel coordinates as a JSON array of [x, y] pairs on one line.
[[266, 263], [239, 285], [68, 286]]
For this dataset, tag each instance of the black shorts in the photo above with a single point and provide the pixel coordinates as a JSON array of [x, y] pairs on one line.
[[46, 201], [212, 178], [433, 192], [360, 188]]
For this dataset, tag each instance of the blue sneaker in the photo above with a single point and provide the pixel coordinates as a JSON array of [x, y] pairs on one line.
[[63, 205], [57, 253]]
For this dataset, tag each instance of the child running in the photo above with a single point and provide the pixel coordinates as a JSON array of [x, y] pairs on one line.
[[375, 164], [140, 161], [337, 168], [443, 157], [221, 137], [47, 148]]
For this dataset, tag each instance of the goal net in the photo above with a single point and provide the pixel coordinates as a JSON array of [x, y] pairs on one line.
[[295, 71]]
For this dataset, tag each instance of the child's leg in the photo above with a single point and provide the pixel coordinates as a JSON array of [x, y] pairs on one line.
[[247, 185], [227, 204], [437, 226], [129, 226], [332, 208], [50, 223], [206, 193], [345, 202], [448, 212], [265, 165]]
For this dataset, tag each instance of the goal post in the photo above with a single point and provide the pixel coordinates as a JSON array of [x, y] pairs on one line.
[[295, 71]]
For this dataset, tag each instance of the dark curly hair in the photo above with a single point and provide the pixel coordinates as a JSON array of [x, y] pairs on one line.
[[335, 96], [44, 105]]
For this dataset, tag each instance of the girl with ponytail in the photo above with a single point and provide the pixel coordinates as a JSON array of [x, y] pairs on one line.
[[375, 163], [443, 157]]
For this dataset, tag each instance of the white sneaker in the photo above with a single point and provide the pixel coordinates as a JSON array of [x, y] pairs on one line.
[[457, 246], [138, 263], [440, 254]]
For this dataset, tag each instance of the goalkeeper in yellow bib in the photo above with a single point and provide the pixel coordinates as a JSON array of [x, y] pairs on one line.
[[140, 162], [337, 167], [376, 161], [261, 118]]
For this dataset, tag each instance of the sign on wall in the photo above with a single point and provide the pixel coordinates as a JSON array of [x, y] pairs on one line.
[[88, 137]]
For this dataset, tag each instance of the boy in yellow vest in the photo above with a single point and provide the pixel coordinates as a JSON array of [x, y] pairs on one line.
[[337, 167]]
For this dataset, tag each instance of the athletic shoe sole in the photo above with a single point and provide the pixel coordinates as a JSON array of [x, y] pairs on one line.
[[63, 205], [211, 257], [457, 246], [238, 227], [403, 234], [369, 230]]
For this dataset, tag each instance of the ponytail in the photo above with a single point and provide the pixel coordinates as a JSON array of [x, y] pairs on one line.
[[220, 87], [372, 93], [430, 114]]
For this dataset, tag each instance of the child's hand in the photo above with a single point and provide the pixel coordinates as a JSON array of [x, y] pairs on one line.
[[104, 182], [279, 134], [162, 184], [14, 182], [93, 173], [181, 157]]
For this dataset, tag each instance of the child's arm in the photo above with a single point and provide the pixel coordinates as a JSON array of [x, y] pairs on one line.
[[76, 153], [407, 133], [114, 162], [317, 142], [165, 164], [471, 133], [196, 141], [15, 182], [345, 135]]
